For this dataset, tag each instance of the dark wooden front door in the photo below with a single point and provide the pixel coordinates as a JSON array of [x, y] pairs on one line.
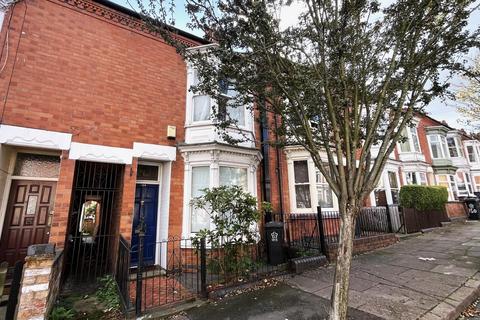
[[27, 218]]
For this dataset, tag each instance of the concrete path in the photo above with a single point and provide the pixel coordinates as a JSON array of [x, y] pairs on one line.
[[431, 276]]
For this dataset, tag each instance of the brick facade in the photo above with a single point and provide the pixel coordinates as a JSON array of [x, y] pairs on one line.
[[79, 67]]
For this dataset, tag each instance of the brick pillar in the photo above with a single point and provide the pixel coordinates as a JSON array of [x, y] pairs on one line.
[[127, 201], [58, 228], [40, 282]]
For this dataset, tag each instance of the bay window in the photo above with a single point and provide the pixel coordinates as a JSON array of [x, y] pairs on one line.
[[468, 180], [472, 155], [448, 181], [476, 180], [411, 143], [200, 181], [229, 110], [454, 148], [231, 176], [201, 108], [324, 192], [394, 189], [453, 186], [416, 178], [438, 146], [461, 184], [302, 184]]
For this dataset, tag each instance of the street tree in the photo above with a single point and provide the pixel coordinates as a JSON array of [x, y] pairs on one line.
[[469, 96], [344, 80]]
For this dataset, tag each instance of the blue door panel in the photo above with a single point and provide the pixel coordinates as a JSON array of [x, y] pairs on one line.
[[149, 193]]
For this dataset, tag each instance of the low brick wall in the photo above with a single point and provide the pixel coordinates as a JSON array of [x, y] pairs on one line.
[[40, 282], [456, 209], [365, 244]]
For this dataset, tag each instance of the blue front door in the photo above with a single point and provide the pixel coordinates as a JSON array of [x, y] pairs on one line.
[[148, 193]]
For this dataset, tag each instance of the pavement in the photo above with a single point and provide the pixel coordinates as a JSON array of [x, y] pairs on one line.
[[432, 276]]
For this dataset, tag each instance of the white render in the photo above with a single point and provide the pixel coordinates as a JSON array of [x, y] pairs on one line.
[[99, 153], [154, 152], [34, 138]]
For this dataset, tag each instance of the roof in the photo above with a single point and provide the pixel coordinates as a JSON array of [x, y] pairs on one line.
[[136, 15]]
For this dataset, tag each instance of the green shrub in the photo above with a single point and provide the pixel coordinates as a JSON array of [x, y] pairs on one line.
[[61, 313], [423, 197], [234, 214], [107, 292]]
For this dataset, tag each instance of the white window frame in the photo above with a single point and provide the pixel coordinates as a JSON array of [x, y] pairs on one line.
[[475, 153], [417, 176], [325, 183], [313, 186], [214, 181], [458, 147], [245, 120], [445, 154], [410, 141]]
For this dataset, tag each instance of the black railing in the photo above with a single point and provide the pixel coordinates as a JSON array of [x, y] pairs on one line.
[[227, 266], [89, 257], [122, 275], [182, 269], [306, 230]]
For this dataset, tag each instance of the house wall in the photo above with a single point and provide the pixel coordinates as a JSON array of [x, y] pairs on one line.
[[84, 69]]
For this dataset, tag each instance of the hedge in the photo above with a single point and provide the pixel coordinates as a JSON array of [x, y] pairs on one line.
[[423, 197]]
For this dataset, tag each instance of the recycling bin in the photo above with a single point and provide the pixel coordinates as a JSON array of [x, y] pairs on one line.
[[473, 208], [274, 236]]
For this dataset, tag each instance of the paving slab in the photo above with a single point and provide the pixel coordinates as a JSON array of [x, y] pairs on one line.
[[280, 302], [399, 283]]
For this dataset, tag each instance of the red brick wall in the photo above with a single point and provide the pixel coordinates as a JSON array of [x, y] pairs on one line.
[[455, 209], [277, 169], [365, 244], [59, 224], [422, 136], [73, 70]]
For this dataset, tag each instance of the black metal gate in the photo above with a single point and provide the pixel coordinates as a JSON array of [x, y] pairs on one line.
[[93, 220]]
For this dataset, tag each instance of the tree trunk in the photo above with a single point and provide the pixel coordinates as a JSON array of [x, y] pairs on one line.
[[339, 298]]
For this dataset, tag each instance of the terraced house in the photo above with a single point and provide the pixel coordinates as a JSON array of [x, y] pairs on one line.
[[96, 122], [100, 137]]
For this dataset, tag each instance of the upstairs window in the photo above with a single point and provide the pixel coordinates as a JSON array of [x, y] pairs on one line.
[[472, 156], [414, 137], [411, 143], [228, 109], [454, 149], [201, 103], [302, 184], [438, 145]]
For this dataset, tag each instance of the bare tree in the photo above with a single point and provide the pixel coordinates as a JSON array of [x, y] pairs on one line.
[[346, 78]]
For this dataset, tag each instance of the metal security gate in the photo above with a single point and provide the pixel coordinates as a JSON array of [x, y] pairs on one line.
[[93, 220]]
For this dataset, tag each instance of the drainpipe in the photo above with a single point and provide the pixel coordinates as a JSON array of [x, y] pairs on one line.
[[277, 168], [266, 181]]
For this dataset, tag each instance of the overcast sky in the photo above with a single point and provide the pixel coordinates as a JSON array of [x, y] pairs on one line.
[[441, 110]]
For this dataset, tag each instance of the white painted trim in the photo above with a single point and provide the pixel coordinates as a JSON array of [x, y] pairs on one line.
[[215, 156], [163, 219], [6, 191], [34, 138], [33, 178], [154, 152], [99, 153]]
